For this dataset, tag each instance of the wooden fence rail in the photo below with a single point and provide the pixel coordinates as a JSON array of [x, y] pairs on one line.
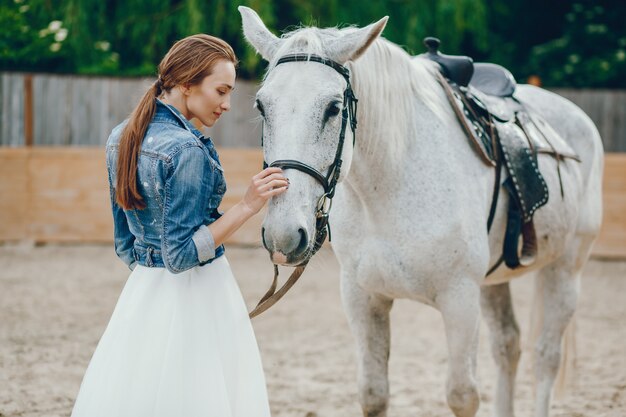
[[45, 109], [60, 194]]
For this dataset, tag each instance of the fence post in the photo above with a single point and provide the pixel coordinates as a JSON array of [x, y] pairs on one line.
[[28, 110]]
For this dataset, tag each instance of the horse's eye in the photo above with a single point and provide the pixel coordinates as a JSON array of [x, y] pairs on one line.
[[259, 107], [333, 110]]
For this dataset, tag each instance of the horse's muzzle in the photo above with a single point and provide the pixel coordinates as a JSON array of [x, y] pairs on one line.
[[288, 249]]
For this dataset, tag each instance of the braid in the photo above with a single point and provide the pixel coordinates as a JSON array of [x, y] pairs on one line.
[[158, 87]]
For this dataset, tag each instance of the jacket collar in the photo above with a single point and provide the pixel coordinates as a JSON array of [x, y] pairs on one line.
[[170, 114]]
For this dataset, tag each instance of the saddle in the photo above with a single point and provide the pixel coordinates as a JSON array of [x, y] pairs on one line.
[[503, 131]]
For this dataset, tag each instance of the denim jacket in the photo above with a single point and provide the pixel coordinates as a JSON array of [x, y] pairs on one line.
[[182, 183]]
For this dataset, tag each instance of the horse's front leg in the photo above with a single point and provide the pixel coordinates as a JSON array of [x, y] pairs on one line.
[[460, 307], [368, 316]]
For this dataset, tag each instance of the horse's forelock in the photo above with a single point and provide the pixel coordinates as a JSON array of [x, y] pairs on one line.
[[309, 40]]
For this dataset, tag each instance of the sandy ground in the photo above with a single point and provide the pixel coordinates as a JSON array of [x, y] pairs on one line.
[[55, 302]]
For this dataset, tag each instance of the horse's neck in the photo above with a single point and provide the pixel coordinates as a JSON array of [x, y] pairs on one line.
[[400, 134]]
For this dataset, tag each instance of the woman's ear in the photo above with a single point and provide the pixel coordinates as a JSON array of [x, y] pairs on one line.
[[185, 89]]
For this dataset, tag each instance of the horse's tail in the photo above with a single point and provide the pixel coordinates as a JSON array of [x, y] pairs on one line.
[[568, 365]]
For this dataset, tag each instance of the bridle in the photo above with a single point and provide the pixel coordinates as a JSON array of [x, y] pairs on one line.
[[328, 181]]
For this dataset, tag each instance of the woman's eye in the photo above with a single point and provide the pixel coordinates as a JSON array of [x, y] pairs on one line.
[[221, 92]]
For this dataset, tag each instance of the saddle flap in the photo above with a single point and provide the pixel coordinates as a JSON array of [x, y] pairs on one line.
[[521, 163]]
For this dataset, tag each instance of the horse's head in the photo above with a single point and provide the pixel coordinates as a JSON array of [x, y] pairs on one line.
[[302, 106]]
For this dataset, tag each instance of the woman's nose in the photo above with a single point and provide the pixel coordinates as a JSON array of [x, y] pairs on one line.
[[226, 104]]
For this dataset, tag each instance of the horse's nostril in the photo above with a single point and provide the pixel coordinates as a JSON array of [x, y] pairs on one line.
[[304, 241]]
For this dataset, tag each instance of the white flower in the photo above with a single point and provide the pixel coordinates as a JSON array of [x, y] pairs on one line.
[[44, 32], [55, 47], [620, 55], [55, 25], [60, 35], [24, 8], [103, 45]]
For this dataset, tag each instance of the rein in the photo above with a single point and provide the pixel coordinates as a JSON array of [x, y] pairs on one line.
[[328, 181]]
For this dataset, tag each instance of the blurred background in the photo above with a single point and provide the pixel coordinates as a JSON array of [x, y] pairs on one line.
[[580, 43], [70, 70]]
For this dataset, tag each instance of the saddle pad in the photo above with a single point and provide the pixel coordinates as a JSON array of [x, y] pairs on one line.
[[473, 119], [475, 125], [521, 164]]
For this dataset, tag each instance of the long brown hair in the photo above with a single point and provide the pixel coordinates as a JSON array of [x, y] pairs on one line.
[[186, 63]]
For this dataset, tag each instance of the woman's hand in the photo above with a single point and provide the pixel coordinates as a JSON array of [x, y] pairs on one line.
[[266, 184]]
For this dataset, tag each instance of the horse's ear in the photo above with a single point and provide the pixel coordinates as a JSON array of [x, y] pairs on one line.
[[352, 45], [257, 34]]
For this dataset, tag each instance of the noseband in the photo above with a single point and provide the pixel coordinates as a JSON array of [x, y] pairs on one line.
[[328, 181]]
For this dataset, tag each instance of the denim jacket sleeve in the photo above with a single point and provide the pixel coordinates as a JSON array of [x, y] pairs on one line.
[[186, 242], [123, 238]]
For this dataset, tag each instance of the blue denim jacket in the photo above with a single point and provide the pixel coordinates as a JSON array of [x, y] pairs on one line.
[[182, 183]]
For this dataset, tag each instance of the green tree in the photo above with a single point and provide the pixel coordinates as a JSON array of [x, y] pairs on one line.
[[579, 43], [590, 53], [32, 36]]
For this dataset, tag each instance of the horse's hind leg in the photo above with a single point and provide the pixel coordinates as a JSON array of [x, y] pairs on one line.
[[505, 343], [368, 316], [460, 309], [560, 282]]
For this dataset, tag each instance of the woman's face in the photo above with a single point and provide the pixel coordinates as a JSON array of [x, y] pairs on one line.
[[209, 99]]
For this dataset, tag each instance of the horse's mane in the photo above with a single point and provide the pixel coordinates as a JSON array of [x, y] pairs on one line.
[[390, 85]]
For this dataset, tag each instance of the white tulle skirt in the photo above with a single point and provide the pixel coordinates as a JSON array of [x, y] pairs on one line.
[[176, 345]]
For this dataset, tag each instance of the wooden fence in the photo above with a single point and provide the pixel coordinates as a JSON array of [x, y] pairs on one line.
[[50, 110], [65, 110], [60, 194]]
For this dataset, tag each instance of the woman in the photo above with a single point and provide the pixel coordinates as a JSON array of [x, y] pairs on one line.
[[179, 342]]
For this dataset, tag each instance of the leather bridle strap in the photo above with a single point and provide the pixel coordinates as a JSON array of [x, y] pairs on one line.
[[348, 112], [329, 182], [316, 58], [290, 163], [271, 297]]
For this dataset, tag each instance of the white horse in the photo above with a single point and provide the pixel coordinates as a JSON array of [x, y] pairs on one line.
[[410, 213]]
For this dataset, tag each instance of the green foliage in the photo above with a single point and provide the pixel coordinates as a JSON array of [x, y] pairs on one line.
[[129, 37], [410, 21], [580, 45], [32, 37], [592, 50]]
